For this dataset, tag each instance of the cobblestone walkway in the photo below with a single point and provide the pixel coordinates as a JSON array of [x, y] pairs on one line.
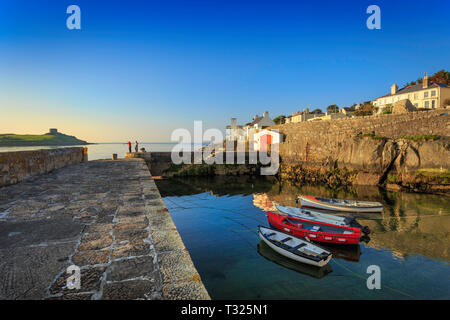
[[108, 218]]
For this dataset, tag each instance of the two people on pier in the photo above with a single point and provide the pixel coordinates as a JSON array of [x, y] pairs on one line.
[[136, 146]]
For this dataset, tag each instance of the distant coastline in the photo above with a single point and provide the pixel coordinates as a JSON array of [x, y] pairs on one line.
[[52, 138]]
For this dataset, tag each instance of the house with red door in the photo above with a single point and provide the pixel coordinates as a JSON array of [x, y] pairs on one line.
[[264, 139], [235, 132]]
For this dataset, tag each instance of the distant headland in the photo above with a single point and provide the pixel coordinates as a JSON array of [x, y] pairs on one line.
[[52, 138]]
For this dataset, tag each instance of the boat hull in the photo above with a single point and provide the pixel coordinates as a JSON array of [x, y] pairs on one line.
[[313, 271], [277, 222], [313, 215], [312, 202], [293, 256]]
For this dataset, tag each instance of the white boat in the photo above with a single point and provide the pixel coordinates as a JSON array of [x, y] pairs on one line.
[[294, 248], [340, 205], [313, 215]]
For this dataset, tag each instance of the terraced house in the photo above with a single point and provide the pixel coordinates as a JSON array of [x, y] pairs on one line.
[[426, 95]]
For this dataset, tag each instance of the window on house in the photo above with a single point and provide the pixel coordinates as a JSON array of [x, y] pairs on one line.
[[427, 104], [416, 96], [425, 94], [433, 103], [433, 93]]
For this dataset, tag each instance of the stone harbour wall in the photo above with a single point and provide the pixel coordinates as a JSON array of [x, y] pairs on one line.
[[107, 218], [333, 152], [20, 165], [388, 125]]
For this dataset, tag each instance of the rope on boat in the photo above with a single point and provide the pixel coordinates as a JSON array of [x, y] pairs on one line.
[[248, 229], [361, 218], [176, 205]]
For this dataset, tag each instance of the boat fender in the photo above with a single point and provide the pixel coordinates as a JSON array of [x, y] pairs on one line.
[[365, 230]]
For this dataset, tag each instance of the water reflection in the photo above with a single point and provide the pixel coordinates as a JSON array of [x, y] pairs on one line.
[[343, 252], [265, 251], [409, 241], [410, 223]]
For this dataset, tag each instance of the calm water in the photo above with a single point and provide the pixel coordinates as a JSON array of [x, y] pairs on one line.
[[104, 150], [218, 218]]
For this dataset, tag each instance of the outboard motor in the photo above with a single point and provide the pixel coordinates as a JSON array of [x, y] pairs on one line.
[[351, 221]]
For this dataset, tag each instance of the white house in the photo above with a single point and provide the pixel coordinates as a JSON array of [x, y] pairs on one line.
[[425, 95], [236, 132], [263, 138]]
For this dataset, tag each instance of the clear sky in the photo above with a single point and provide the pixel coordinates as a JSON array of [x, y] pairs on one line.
[[140, 69]]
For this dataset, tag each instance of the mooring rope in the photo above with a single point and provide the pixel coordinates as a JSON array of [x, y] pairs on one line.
[[365, 279], [247, 229]]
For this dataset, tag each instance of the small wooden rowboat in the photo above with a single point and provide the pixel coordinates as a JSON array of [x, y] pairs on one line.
[[340, 205], [348, 221], [271, 255], [294, 248], [314, 230]]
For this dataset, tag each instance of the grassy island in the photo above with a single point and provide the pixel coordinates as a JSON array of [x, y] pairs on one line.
[[52, 138]]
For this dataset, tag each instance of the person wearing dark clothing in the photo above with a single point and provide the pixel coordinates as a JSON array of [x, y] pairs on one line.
[[129, 146], [136, 147]]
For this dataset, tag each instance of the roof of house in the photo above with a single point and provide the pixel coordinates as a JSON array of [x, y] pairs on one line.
[[416, 87], [255, 121]]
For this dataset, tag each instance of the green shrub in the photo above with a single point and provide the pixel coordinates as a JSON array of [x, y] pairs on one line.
[[421, 137], [392, 178], [371, 135]]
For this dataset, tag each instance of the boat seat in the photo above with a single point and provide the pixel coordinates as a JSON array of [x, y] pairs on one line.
[[286, 239], [297, 247], [271, 234]]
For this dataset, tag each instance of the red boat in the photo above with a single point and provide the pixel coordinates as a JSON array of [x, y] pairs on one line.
[[315, 231]]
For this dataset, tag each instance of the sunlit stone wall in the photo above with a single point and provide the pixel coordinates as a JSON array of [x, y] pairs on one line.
[[20, 165]]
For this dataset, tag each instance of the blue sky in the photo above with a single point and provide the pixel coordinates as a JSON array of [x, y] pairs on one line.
[[140, 69]]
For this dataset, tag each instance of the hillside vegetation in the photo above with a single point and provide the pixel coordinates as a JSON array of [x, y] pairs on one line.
[[58, 139]]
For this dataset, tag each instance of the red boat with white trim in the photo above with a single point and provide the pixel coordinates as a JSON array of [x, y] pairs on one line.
[[314, 230]]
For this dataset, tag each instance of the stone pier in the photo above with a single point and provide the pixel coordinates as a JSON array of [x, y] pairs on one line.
[[106, 217]]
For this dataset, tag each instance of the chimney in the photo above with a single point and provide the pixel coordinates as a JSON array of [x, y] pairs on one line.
[[256, 116], [394, 89], [425, 81], [266, 114], [233, 123]]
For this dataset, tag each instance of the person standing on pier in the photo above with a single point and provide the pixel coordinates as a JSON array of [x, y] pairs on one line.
[[129, 146], [136, 147]]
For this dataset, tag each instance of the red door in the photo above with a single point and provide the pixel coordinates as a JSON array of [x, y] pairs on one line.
[[266, 139]]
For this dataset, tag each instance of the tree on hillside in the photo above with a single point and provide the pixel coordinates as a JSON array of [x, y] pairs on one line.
[[316, 111], [280, 119], [442, 76], [365, 110], [333, 108]]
